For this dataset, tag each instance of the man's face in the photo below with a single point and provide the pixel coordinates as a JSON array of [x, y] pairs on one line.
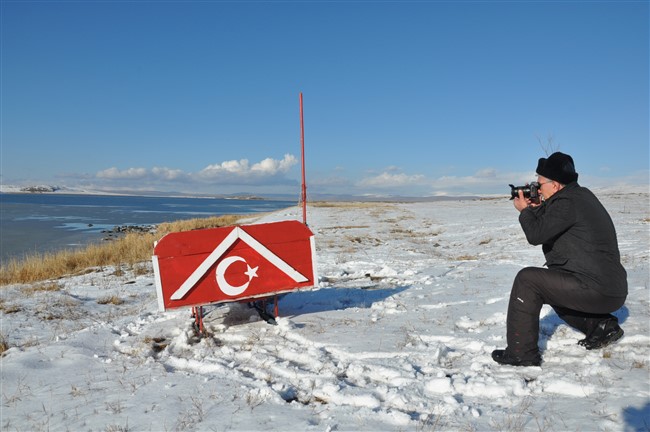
[[547, 188]]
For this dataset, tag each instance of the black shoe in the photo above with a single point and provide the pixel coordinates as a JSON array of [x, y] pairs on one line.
[[504, 358], [606, 332]]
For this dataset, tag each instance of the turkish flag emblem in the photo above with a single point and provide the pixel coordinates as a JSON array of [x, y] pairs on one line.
[[219, 265], [224, 285]]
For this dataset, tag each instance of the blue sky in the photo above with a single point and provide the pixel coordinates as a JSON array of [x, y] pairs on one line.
[[409, 98]]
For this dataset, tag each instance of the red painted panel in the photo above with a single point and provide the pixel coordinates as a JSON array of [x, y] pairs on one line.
[[219, 265]]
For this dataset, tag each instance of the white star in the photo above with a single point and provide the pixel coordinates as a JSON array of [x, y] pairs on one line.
[[251, 272]]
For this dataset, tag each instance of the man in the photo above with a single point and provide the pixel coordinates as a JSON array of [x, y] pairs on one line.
[[584, 281]]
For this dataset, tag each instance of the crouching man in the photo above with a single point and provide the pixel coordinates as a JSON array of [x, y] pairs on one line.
[[584, 282]]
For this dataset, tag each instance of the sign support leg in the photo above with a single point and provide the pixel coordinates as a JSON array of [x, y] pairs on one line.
[[260, 307], [197, 314]]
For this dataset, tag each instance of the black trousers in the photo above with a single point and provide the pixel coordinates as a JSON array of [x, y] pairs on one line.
[[578, 305]]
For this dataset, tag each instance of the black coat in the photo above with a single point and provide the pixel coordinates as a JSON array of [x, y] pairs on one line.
[[578, 236]]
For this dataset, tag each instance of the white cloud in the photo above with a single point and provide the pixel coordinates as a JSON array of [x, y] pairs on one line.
[[272, 167], [326, 183], [388, 180], [228, 167], [272, 176], [266, 168], [484, 181], [167, 173], [128, 174], [266, 173], [159, 173], [486, 173]]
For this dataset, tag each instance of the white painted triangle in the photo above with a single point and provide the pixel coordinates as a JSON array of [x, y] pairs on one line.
[[236, 233]]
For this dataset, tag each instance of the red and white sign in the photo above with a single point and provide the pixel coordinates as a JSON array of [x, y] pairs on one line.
[[218, 265]]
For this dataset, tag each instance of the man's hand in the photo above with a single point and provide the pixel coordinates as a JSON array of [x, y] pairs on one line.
[[522, 203]]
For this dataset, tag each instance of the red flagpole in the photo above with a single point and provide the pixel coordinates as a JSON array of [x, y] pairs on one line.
[[302, 149]]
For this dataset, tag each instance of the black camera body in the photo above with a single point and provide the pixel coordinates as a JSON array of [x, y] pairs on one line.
[[530, 191]]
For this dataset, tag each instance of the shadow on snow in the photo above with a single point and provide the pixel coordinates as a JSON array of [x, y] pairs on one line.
[[637, 419], [307, 302], [549, 324]]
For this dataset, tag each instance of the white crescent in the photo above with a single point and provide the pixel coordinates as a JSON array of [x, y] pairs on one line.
[[221, 280]]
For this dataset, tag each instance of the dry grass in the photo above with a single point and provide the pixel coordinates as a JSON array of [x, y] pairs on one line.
[[114, 300], [9, 308], [129, 250], [4, 345], [42, 287]]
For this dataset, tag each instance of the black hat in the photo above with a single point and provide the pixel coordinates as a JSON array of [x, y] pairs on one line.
[[558, 167]]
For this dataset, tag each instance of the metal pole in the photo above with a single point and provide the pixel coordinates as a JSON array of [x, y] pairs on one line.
[[302, 150]]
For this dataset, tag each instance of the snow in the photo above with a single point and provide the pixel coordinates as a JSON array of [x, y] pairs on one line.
[[49, 189], [411, 302]]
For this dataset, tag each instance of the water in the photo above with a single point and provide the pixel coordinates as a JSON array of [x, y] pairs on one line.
[[39, 223]]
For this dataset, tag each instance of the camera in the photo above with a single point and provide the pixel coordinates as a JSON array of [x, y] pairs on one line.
[[530, 191]]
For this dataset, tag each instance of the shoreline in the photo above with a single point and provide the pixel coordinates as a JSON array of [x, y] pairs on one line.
[[153, 194], [55, 190], [312, 198]]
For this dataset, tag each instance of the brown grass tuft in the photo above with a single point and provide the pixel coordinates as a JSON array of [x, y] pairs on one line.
[[467, 258], [129, 250], [9, 308], [4, 345], [114, 300], [42, 287]]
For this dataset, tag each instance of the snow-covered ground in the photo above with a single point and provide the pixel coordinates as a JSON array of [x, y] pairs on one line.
[[412, 301]]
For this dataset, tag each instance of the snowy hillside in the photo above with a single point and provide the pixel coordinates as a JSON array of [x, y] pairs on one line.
[[412, 301]]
